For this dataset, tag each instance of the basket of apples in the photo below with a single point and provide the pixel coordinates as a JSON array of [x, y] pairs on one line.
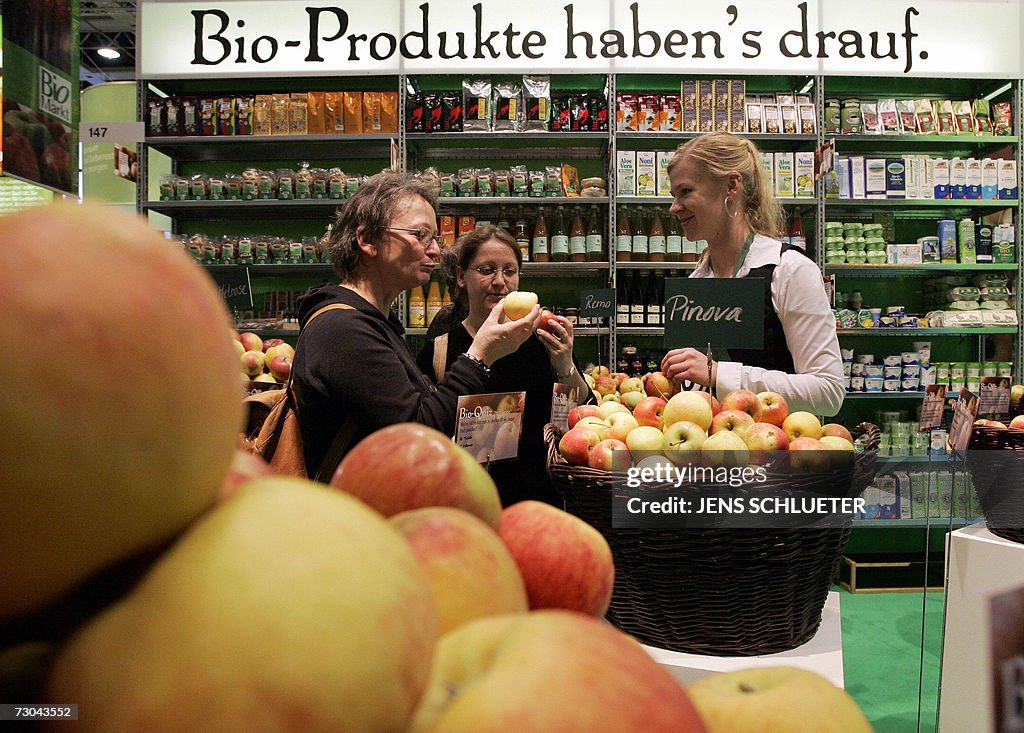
[[995, 459], [712, 587]]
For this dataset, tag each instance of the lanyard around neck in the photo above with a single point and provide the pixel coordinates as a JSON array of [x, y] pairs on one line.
[[743, 254]]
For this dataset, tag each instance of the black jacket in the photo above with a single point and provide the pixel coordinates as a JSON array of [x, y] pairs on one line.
[[355, 363]]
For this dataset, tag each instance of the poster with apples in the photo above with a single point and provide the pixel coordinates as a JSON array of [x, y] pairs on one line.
[[932, 407], [965, 411], [489, 425], [995, 396], [563, 399]]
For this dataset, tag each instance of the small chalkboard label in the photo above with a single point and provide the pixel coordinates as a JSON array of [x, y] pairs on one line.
[[728, 312], [597, 303], [233, 283]]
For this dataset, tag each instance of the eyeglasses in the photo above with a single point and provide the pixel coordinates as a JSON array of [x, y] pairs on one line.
[[425, 236], [491, 270]]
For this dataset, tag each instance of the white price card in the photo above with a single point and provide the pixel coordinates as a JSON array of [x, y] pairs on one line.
[[114, 132], [563, 399], [489, 425]]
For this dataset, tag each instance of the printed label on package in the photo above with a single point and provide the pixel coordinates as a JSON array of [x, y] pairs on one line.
[[563, 399], [489, 425]]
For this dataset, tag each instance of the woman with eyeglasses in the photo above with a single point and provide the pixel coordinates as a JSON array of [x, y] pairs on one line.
[[485, 266], [353, 372]]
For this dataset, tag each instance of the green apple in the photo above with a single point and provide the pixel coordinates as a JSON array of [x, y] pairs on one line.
[[410, 466], [108, 450], [288, 607], [783, 699], [470, 571], [548, 671]]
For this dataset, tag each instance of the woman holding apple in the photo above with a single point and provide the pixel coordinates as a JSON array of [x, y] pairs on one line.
[[486, 264], [722, 195], [352, 368]]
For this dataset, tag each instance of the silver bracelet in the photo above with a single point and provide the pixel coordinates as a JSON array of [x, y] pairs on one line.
[[572, 370], [479, 362]]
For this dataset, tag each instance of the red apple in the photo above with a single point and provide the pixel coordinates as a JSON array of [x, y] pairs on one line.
[[1017, 422], [774, 408], [986, 423], [834, 428], [581, 411], [280, 368], [807, 455], [469, 569], [600, 371], [276, 350], [253, 362], [619, 378], [743, 400], [801, 424], [410, 466], [271, 343], [690, 406], [712, 402], [649, 411], [548, 671], [251, 341], [609, 455], [565, 562], [735, 420], [546, 319], [656, 384], [763, 436], [605, 385], [576, 444]]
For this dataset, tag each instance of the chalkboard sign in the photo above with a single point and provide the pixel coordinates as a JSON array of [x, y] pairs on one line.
[[728, 312], [233, 283], [596, 303]]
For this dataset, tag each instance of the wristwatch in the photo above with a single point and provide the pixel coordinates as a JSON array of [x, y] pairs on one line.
[[480, 363], [572, 370]]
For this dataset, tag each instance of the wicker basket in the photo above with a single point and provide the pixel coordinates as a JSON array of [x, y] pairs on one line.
[[722, 592], [995, 459]]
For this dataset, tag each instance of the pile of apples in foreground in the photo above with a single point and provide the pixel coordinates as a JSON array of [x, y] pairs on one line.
[[647, 416], [402, 597]]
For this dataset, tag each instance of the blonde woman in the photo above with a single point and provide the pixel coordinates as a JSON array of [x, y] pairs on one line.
[[721, 195]]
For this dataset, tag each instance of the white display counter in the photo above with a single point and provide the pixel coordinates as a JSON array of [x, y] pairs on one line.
[[822, 654], [980, 565]]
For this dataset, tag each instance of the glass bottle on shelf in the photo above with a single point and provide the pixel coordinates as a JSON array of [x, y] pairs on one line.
[[797, 235], [636, 365], [622, 365], [623, 237], [640, 246], [656, 238], [559, 251], [446, 297], [652, 362], [433, 303], [503, 222], [660, 299], [622, 308], [651, 302], [521, 233], [417, 308], [539, 250], [673, 240], [577, 238], [637, 308], [595, 237]]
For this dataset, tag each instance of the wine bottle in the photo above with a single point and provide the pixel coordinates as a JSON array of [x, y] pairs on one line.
[[559, 251], [656, 238], [651, 302], [673, 240], [539, 252], [637, 309], [639, 243], [622, 309], [577, 238], [623, 237], [595, 237]]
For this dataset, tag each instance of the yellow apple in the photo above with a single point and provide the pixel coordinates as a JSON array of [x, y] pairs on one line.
[[263, 616], [519, 303], [607, 409], [549, 671], [725, 448], [786, 699], [801, 424], [596, 423], [108, 448], [470, 571], [690, 406], [410, 466], [622, 424], [644, 438], [630, 400]]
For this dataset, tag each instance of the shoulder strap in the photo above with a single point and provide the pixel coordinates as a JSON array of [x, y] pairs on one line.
[[331, 307], [440, 355]]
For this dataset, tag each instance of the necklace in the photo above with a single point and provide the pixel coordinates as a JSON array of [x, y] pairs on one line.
[[743, 254]]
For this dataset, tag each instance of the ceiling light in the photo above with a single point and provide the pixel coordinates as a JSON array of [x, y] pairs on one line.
[[109, 53]]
